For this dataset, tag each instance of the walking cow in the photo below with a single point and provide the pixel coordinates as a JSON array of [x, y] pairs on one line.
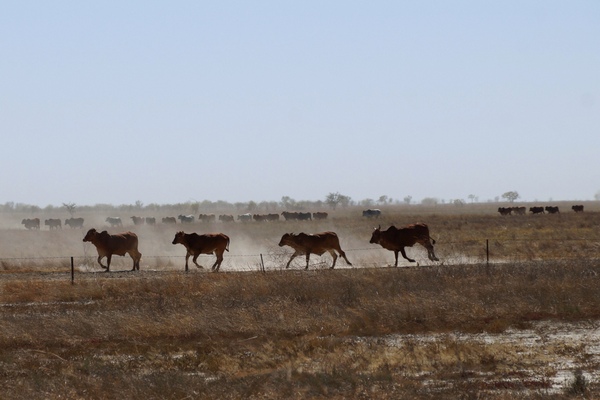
[[317, 243], [209, 243], [119, 244], [396, 240]]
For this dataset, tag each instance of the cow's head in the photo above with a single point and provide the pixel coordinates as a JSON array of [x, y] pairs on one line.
[[286, 239], [179, 238], [90, 235], [376, 236]]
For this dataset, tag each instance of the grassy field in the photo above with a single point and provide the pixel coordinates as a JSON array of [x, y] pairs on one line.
[[454, 329]]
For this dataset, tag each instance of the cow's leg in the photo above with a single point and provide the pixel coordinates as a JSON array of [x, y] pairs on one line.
[[403, 255], [335, 256], [217, 263], [194, 260], [291, 258], [136, 256], [100, 262], [431, 254], [429, 246], [108, 258], [307, 259], [344, 256]]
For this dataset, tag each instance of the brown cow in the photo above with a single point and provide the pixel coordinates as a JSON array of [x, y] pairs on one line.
[[396, 240], [203, 244], [119, 244], [317, 243]]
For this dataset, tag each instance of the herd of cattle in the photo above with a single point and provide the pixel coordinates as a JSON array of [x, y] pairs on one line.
[[55, 223], [394, 239], [535, 210]]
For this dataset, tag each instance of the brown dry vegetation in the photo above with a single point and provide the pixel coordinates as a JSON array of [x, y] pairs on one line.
[[365, 332]]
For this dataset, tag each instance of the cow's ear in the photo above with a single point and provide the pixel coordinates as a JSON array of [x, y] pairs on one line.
[[379, 227], [104, 234]]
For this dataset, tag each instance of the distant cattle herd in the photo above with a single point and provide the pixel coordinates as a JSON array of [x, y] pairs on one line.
[[535, 210], [54, 223]]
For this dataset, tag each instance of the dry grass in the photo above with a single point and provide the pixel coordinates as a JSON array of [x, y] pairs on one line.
[[298, 334]]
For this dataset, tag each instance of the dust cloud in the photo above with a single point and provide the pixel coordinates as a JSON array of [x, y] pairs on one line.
[[253, 245]]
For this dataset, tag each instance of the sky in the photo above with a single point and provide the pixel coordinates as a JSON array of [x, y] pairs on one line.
[[165, 102]]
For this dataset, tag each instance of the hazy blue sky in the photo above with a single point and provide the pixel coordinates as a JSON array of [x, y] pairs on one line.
[[167, 102]]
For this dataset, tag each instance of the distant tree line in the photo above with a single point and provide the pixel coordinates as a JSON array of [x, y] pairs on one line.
[[333, 201]]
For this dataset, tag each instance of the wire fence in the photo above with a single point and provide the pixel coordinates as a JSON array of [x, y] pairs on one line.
[[476, 251]]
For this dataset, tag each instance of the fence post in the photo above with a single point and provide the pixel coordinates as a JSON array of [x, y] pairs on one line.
[[487, 252], [72, 271], [262, 263]]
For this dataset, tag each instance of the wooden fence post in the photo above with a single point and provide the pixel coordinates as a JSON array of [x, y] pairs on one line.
[[487, 252], [72, 271]]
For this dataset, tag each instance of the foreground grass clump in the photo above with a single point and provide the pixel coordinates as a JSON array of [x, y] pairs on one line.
[[293, 334]]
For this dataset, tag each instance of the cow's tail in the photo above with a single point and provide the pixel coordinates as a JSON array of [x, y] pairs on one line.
[[227, 247], [432, 240]]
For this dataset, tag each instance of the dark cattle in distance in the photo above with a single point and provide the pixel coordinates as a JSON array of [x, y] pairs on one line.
[[293, 216], [396, 240], [245, 217], [119, 244], [304, 216], [209, 243], [169, 220], [317, 243], [320, 215], [272, 217], [150, 221], [138, 220], [552, 210], [186, 219], [114, 221], [207, 218], [519, 210], [74, 222], [536, 210], [53, 223], [504, 210], [577, 208], [289, 216], [226, 218], [372, 213], [31, 223]]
